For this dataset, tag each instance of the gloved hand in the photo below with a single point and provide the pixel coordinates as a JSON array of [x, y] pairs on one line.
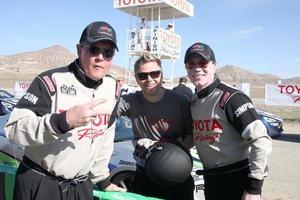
[[141, 150], [145, 142], [114, 188]]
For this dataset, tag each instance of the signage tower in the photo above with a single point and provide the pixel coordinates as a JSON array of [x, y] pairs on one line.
[[146, 35]]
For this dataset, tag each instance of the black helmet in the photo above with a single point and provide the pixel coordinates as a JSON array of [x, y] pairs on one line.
[[168, 163]]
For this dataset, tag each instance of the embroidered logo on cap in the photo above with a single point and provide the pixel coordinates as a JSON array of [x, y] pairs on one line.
[[197, 47], [106, 31]]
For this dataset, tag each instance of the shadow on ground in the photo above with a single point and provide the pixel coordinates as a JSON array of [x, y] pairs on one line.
[[288, 137]]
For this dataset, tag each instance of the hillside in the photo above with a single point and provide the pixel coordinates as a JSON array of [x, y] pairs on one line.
[[237, 74], [24, 66]]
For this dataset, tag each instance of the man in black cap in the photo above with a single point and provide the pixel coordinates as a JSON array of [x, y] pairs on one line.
[[64, 121], [181, 88], [231, 141]]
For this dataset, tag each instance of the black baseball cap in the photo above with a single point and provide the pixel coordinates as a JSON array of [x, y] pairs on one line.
[[201, 49], [99, 31]]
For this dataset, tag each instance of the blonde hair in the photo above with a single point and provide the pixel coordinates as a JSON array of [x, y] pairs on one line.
[[145, 58]]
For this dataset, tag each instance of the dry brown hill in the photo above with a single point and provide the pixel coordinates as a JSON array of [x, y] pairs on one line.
[[232, 73], [36, 61], [24, 66]]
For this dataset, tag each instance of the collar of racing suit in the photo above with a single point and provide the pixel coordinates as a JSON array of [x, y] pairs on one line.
[[206, 91], [83, 79]]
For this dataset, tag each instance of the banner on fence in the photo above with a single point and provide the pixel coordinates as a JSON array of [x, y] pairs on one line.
[[21, 88], [282, 95]]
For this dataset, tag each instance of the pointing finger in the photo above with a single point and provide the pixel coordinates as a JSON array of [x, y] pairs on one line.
[[96, 102]]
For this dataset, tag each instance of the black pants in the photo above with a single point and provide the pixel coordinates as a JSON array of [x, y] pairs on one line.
[[226, 186], [31, 185], [144, 186]]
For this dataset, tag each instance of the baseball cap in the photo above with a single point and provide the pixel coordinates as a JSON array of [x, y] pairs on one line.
[[201, 49], [99, 31]]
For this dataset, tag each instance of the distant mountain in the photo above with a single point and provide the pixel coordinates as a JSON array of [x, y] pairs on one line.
[[235, 74], [232, 73], [31, 63], [36, 61]]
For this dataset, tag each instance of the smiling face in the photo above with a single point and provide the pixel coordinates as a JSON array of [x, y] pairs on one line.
[[200, 72], [95, 59], [151, 86]]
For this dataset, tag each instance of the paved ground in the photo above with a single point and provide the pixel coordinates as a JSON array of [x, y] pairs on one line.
[[283, 182]]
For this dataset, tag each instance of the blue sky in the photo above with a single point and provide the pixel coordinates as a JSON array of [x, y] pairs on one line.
[[262, 36]]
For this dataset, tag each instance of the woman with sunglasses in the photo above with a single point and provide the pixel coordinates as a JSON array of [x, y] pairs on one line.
[[157, 114], [63, 122]]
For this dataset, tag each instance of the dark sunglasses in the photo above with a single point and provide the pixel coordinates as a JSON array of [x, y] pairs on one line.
[[106, 52], [144, 75]]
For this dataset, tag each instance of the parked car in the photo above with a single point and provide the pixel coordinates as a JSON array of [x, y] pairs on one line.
[[273, 123], [7, 102]]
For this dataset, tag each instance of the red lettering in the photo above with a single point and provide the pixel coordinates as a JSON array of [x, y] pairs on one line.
[[281, 88], [216, 125], [133, 2], [89, 133], [207, 122], [289, 89], [207, 125], [210, 137], [298, 89], [296, 99], [198, 125], [101, 120]]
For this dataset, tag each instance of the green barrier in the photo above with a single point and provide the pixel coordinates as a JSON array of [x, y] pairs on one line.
[[121, 196], [8, 167], [9, 185]]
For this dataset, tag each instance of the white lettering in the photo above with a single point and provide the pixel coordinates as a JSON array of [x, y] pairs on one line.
[[242, 109], [30, 97]]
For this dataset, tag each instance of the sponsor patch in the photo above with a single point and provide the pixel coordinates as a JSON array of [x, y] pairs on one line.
[[69, 90]]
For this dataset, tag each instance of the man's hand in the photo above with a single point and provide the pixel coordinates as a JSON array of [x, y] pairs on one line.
[[81, 115], [248, 196], [187, 142], [114, 188]]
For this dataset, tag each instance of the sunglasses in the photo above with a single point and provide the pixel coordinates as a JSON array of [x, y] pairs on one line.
[[107, 53], [144, 75]]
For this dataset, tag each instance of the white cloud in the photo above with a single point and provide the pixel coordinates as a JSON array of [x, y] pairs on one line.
[[245, 33]]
